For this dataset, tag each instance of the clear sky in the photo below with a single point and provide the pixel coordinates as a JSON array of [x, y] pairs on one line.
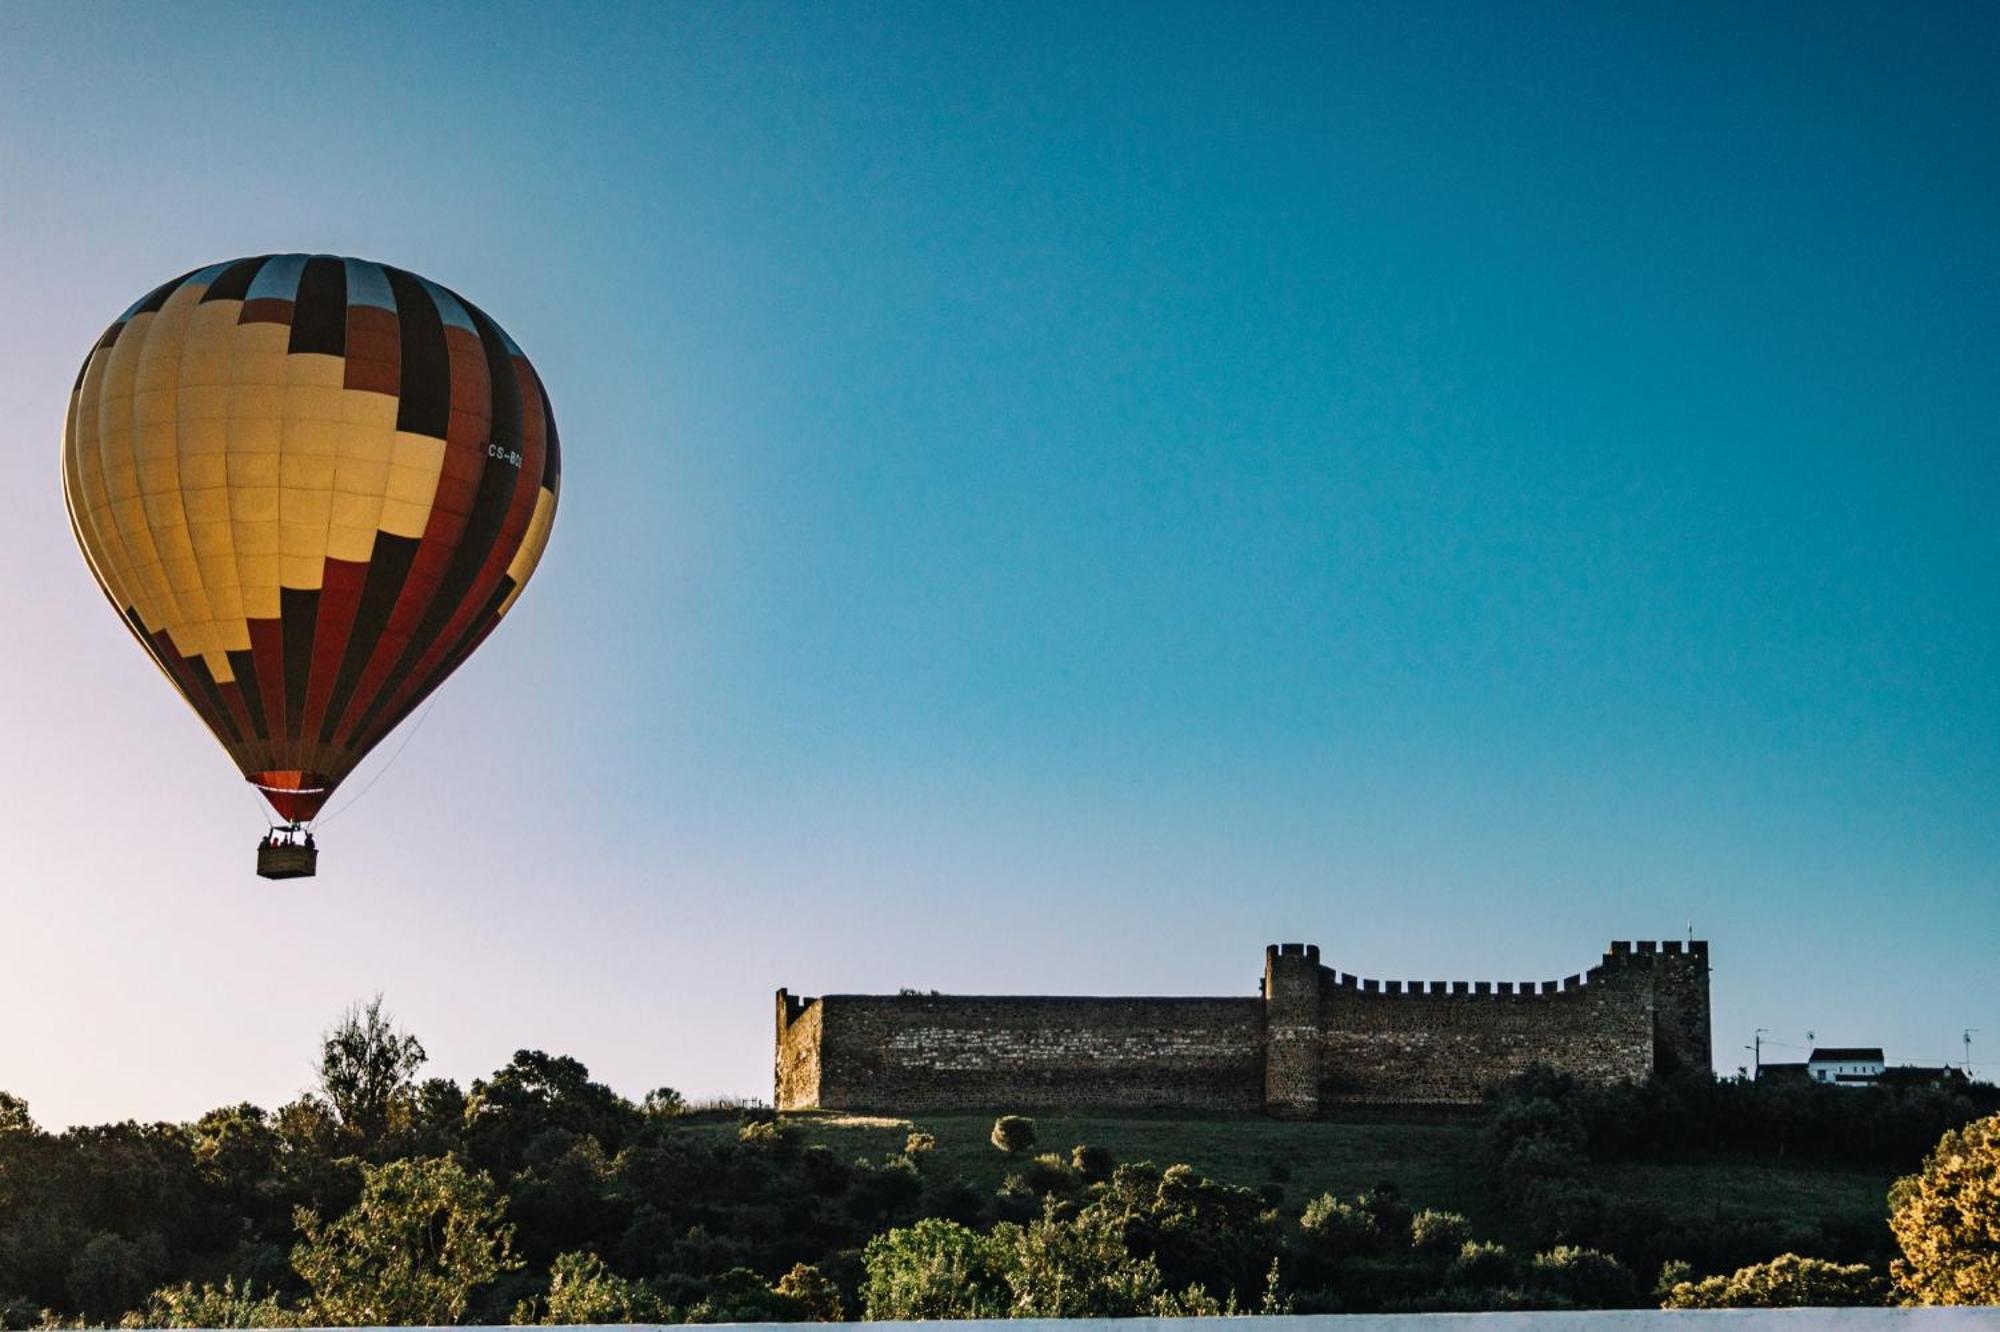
[[1055, 498]]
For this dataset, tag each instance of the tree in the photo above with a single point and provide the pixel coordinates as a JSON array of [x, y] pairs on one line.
[[366, 1066], [111, 1274], [14, 1116], [236, 1148], [535, 1093], [423, 1237], [1946, 1219], [1013, 1134], [1786, 1282]]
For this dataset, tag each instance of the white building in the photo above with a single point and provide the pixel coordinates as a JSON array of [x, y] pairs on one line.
[[1853, 1066]]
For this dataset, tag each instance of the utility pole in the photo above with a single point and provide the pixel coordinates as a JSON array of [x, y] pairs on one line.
[[1966, 1038], [1756, 1049]]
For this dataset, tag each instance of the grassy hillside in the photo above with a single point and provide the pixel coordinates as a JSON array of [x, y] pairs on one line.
[[1719, 1189], [1435, 1164]]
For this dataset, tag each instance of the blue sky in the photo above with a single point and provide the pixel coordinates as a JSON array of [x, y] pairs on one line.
[[1055, 498]]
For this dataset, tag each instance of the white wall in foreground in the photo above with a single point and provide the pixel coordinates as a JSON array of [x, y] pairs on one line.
[[1612, 1320]]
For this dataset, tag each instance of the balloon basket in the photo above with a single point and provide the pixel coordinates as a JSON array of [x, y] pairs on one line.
[[287, 861]]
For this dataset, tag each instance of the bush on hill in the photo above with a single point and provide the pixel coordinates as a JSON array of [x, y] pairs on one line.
[[1946, 1218], [1013, 1134], [1786, 1282]]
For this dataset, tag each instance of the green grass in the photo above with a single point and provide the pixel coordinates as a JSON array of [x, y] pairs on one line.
[[1434, 1164], [1716, 1189]]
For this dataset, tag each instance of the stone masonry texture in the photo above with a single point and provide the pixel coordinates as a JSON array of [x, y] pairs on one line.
[[1316, 1038]]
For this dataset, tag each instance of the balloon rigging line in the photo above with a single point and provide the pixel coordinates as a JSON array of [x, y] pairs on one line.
[[356, 797]]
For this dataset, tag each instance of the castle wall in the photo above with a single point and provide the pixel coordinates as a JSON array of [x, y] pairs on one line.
[[931, 1052], [1413, 1042], [1416, 1048], [1318, 1037]]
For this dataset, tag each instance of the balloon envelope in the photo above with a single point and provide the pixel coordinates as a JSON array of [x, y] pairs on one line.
[[311, 486]]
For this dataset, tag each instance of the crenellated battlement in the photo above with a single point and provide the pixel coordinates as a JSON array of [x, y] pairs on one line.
[[1314, 1035], [1618, 959]]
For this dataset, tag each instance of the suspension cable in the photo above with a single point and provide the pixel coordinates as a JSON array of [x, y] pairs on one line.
[[355, 799]]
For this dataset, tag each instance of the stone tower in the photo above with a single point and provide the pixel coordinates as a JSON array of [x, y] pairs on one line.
[[1291, 1030]]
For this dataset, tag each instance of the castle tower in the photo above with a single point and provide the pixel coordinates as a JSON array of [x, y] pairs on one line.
[[1291, 1031], [1681, 1035], [1673, 977]]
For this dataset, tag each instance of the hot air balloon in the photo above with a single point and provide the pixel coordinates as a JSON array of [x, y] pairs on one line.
[[311, 486]]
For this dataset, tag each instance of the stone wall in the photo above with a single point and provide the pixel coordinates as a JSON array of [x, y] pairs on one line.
[[798, 1052], [1417, 1042], [930, 1052], [1318, 1037]]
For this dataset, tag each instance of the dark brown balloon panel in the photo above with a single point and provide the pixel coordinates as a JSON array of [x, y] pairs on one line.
[[311, 486]]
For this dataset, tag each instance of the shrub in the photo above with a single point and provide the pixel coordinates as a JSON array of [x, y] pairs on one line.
[[1585, 1278], [207, 1306], [583, 1290], [1672, 1273], [934, 1269], [740, 1295], [1014, 1201], [919, 1143], [1946, 1219], [1048, 1173], [1013, 1134], [816, 1294], [1078, 1268], [762, 1133], [825, 1173], [883, 1193], [1439, 1234], [1482, 1265], [1337, 1230], [1094, 1164], [1389, 1213], [1786, 1282]]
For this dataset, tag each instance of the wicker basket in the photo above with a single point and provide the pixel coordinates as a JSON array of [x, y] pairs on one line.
[[287, 861]]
